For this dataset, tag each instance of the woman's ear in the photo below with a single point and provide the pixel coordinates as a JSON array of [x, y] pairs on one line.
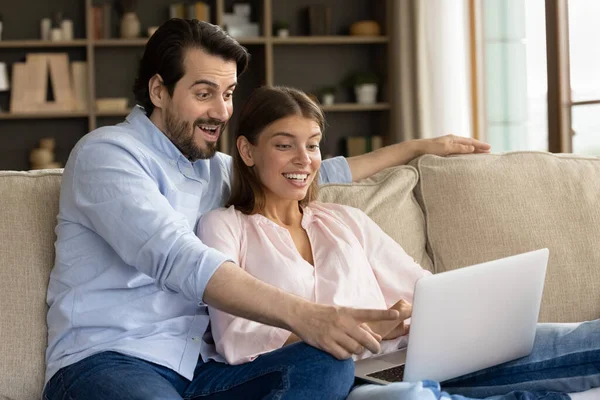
[[156, 91], [244, 148]]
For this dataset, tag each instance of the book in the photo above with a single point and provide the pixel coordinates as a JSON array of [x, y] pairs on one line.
[[79, 76], [17, 95], [61, 81], [177, 10], [107, 21], [37, 83], [97, 21], [357, 145], [202, 11]]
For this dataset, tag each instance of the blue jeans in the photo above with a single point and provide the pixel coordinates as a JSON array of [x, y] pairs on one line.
[[565, 358], [298, 371]]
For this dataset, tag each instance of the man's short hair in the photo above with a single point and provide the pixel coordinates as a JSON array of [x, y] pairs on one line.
[[165, 51]]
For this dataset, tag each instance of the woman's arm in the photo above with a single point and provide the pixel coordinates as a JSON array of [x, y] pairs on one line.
[[368, 164]]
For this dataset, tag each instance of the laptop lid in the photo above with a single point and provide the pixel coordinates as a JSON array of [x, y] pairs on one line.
[[472, 318]]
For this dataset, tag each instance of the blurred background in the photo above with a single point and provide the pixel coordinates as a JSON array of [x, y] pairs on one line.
[[519, 74]]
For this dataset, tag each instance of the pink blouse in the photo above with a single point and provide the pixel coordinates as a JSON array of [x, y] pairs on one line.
[[355, 264]]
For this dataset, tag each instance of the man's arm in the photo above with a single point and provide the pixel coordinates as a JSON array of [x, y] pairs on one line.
[[368, 164], [232, 293], [119, 200], [336, 330]]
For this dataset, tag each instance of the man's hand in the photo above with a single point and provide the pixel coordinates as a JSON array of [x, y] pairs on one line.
[[450, 144], [389, 330], [401, 153], [340, 331]]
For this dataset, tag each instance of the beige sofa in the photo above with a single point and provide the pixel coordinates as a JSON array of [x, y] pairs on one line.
[[446, 212]]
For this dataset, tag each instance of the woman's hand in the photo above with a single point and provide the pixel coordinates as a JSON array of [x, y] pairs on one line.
[[389, 330]]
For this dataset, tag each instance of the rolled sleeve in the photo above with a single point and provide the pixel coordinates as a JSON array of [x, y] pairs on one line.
[[335, 170], [120, 201]]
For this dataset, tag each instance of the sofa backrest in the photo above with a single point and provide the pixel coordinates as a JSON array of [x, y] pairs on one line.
[[483, 207], [28, 209], [388, 198]]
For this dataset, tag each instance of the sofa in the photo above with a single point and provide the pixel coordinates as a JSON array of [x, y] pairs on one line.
[[446, 212]]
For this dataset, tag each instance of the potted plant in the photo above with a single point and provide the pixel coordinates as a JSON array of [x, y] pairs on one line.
[[364, 84], [327, 95], [281, 28]]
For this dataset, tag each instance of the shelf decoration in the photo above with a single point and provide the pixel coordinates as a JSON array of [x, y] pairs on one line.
[[327, 95], [357, 145], [43, 157], [4, 83], [319, 20], [102, 21], [365, 86], [130, 23], [30, 84], [281, 29], [365, 28], [238, 24], [111, 104]]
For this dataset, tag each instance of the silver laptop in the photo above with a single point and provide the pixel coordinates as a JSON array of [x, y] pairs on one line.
[[466, 320]]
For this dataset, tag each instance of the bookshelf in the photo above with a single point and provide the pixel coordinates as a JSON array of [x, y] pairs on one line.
[[298, 60]]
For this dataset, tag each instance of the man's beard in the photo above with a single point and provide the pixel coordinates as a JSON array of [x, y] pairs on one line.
[[181, 133]]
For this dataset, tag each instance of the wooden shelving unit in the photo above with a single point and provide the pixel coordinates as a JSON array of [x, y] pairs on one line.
[[44, 115], [330, 40], [299, 60], [18, 44]]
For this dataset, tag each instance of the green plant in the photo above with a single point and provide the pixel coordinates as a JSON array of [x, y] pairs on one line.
[[327, 90], [361, 78], [282, 24]]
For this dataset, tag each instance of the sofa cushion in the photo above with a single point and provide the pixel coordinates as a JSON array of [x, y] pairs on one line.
[[388, 199], [26, 258], [482, 207]]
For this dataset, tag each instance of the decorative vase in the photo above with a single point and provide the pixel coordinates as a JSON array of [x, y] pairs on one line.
[[366, 93], [328, 99], [130, 26], [283, 33]]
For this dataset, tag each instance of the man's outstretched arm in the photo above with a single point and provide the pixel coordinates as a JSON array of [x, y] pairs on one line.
[[336, 330], [368, 164]]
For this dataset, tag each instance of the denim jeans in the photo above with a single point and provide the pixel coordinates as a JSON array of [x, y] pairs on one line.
[[565, 358], [298, 371]]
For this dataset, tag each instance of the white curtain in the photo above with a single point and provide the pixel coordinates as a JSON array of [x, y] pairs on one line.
[[431, 65]]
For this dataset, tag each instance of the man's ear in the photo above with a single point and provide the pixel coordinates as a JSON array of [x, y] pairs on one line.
[[157, 91], [244, 148]]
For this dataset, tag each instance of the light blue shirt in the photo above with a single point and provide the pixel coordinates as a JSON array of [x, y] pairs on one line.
[[130, 272]]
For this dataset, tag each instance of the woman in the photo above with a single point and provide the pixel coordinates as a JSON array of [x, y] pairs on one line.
[[273, 228]]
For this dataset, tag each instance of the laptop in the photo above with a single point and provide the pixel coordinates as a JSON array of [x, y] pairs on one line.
[[466, 320]]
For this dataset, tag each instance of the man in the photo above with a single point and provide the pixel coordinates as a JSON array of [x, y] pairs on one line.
[[128, 290]]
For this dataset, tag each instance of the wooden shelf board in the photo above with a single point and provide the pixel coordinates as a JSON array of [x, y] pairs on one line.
[[120, 42], [113, 113], [330, 39], [42, 43], [344, 107], [251, 40], [44, 115]]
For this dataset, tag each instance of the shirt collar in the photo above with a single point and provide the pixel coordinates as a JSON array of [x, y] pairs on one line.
[[142, 124]]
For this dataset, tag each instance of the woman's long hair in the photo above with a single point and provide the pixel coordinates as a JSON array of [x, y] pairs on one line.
[[265, 106]]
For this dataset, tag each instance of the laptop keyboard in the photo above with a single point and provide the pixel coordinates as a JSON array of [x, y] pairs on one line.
[[394, 374]]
